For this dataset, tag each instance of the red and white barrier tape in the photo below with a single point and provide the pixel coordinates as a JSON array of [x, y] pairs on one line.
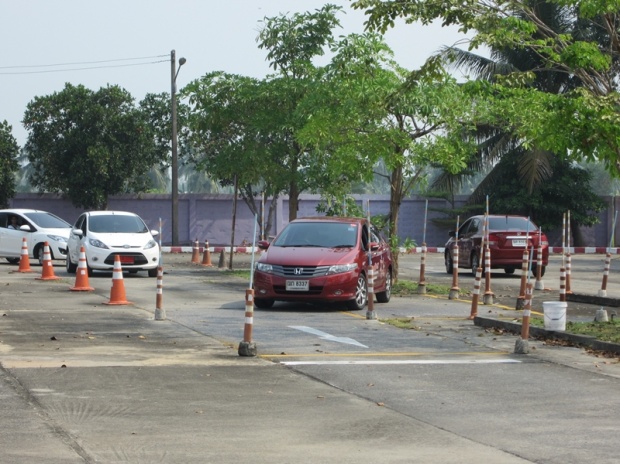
[[248, 249]]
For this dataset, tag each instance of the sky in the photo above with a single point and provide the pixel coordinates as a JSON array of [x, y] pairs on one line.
[[128, 43]]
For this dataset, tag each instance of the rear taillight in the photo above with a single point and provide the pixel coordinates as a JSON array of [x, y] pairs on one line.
[[493, 240]]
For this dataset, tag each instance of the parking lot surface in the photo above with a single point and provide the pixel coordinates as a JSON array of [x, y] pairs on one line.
[[90, 382]]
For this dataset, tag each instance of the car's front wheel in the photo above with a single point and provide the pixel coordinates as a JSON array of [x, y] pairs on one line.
[[39, 252], [263, 303], [153, 272], [13, 260], [448, 263], [384, 296], [361, 294], [475, 263], [69, 265]]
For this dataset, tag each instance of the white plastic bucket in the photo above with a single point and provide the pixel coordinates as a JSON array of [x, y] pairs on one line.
[[555, 315]]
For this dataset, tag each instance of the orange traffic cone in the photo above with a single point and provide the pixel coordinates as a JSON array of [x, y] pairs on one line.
[[24, 261], [47, 271], [196, 253], [206, 256], [117, 293], [81, 276]]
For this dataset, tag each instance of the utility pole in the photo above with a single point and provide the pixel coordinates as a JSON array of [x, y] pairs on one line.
[[174, 72]]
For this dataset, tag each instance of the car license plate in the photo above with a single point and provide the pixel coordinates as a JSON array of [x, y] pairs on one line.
[[519, 243], [126, 259], [297, 285]]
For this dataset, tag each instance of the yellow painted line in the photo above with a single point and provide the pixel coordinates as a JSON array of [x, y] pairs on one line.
[[347, 313], [442, 297], [456, 318], [438, 318], [508, 308], [387, 354], [394, 362]]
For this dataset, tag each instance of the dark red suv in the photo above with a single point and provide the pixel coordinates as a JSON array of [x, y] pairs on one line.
[[323, 259], [508, 236]]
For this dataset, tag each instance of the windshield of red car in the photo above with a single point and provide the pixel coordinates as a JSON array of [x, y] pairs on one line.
[[318, 234]]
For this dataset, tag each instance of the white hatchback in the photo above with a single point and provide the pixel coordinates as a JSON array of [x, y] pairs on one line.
[[38, 227], [106, 234]]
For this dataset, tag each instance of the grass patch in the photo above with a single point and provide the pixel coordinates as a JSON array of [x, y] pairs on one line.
[[400, 288], [401, 323], [241, 273], [603, 331], [407, 288]]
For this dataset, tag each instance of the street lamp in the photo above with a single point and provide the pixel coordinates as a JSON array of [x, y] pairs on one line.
[[175, 162]]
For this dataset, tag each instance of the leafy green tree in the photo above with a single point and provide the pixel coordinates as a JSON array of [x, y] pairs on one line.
[[582, 123], [242, 131], [369, 112], [192, 180], [88, 145], [521, 25], [8, 163], [498, 147], [494, 141], [156, 109], [292, 42], [546, 204], [233, 136], [602, 183]]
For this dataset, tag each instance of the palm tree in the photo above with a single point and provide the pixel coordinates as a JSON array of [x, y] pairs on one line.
[[496, 145]]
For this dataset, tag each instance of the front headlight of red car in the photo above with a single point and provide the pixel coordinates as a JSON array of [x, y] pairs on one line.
[[264, 267], [341, 268]]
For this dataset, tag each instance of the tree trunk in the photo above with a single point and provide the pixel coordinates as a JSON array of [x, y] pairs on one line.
[[272, 211], [234, 220], [250, 201], [396, 195], [576, 235], [293, 201]]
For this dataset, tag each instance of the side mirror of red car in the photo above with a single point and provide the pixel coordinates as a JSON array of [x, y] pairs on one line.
[[262, 244]]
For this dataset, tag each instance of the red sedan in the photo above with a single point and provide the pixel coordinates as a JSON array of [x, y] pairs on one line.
[[323, 259], [508, 237]]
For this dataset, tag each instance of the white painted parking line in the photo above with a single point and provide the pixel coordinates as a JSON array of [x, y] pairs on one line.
[[402, 361], [325, 336]]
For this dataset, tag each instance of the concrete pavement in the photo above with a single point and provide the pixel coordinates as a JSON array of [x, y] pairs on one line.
[[84, 382]]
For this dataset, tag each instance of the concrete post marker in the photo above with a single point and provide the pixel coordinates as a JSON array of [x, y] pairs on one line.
[[247, 347]]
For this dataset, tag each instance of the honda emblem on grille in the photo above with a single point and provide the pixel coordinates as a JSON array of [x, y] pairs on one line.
[[298, 270]]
